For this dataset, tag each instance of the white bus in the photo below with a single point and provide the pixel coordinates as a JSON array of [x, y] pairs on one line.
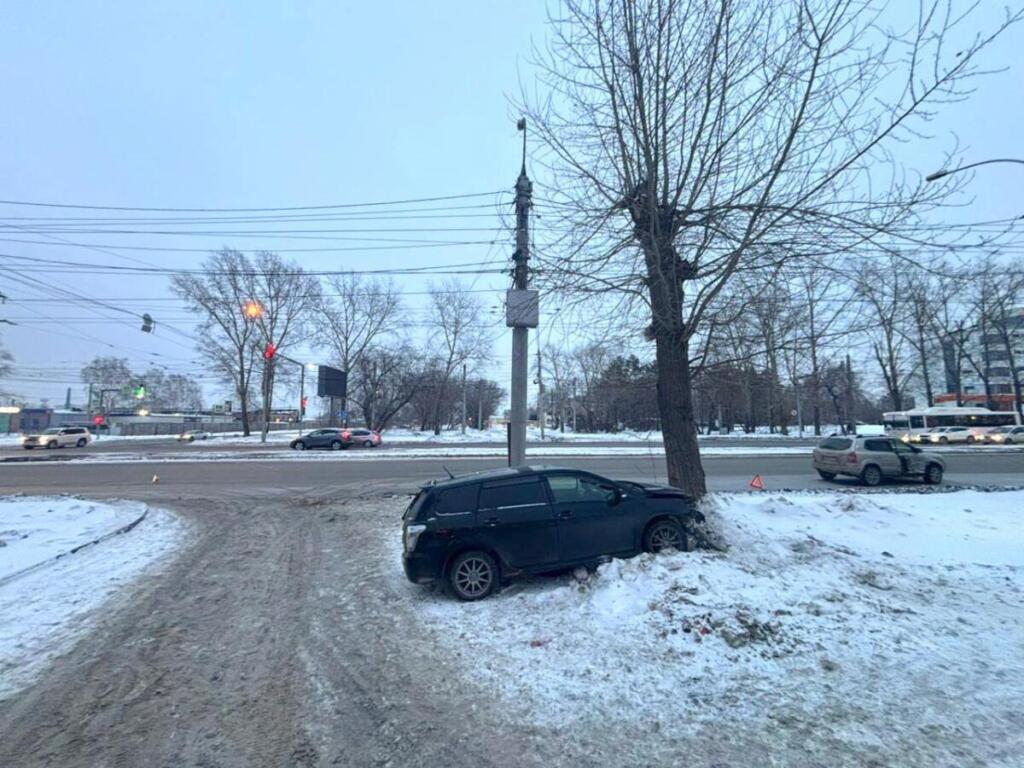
[[909, 425]]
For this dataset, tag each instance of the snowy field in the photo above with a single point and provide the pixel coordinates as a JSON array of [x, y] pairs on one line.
[[43, 612], [838, 629]]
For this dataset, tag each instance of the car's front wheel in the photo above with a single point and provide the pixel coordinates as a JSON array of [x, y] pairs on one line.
[[298, 445], [664, 534], [368, 444], [337, 445], [52, 444], [944, 440], [473, 575], [871, 476], [933, 474], [827, 475]]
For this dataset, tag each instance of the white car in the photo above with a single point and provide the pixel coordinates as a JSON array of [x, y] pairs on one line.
[[192, 435], [57, 437], [1005, 435], [946, 435]]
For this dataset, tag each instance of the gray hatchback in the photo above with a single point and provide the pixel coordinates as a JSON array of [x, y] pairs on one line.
[[871, 459]]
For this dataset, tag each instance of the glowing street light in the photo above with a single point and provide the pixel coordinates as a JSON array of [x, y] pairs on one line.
[[252, 309]]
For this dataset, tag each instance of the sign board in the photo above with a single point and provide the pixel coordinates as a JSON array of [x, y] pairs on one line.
[[330, 382], [522, 309], [227, 406], [342, 415]]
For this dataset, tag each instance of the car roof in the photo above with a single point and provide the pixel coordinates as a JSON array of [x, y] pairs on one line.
[[495, 474]]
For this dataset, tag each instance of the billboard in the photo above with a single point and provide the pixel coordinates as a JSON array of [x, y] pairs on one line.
[[330, 382]]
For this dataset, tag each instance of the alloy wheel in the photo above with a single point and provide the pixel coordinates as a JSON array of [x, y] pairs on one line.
[[473, 577], [666, 537]]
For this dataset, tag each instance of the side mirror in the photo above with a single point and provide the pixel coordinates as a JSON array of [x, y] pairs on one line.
[[615, 496]]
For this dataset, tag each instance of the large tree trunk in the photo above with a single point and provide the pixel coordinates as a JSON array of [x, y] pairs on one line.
[[675, 403]]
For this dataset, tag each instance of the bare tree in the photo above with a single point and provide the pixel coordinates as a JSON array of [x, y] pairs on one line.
[[688, 141], [1005, 324], [284, 295], [459, 336], [884, 288], [356, 315], [221, 293], [386, 380]]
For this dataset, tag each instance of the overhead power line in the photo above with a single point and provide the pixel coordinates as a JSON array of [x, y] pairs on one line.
[[339, 206]]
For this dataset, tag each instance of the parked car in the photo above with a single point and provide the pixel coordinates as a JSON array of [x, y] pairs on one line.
[[1005, 435], [872, 459], [192, 435], [334, 438], [367, 438], [57, 437], [473, 532], [945, 435]]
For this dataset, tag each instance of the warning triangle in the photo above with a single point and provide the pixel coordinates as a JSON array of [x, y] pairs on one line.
[[757, 483]]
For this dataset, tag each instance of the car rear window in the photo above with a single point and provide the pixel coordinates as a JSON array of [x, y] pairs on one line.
[[454, 501], [836, 443], [413, 510], [512, 493]]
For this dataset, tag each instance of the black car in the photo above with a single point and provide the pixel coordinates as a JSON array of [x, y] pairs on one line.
[[477, 530], [335, 439]]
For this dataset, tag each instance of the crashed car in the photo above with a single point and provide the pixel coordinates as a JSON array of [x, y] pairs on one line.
[[476, 531], [873, 459]]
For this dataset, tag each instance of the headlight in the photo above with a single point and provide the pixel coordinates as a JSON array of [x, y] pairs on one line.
[[412, 535]]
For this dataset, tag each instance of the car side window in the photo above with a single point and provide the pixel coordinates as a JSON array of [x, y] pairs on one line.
[[455, 501], [573, 489], [878, 445], [512, 493]]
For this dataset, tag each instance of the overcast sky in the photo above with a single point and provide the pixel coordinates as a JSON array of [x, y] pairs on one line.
[[202, 105]]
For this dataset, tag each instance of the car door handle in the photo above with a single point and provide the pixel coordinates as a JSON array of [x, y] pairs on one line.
[[564, 514], [491, 521]]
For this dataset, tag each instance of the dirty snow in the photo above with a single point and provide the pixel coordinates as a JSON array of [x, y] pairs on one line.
[[837, 629], [43, 612]]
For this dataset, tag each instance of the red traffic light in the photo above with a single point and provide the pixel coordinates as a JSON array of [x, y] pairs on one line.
[[305, 400], [269, 352], [97, 420]]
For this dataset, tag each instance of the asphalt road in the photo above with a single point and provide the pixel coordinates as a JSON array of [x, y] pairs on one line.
[[403, 475]]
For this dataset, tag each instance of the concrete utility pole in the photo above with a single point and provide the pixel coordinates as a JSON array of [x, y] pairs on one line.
[[520, 314], [463, 398], [850, 426], [540, 392]]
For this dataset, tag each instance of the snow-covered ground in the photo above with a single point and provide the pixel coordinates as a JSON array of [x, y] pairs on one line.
[[44, 611], [884, 628]]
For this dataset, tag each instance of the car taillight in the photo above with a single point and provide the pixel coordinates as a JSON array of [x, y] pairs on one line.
[[851, 457]]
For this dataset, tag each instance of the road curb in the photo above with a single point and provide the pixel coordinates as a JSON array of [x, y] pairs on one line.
[[52, 560]]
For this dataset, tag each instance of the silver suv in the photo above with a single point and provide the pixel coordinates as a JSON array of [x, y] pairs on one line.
[[874, 458], [57, 437]]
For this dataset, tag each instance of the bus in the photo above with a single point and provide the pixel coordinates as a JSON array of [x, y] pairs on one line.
[[910, 425]]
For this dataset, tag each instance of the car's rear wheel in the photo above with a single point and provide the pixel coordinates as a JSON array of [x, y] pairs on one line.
[[827, 475], [29, 447], [337, 445], [871, 476], [970, 438], [664, 534], [933, 474], [368, 444], [81, 442], [473, 575], [298, 445]]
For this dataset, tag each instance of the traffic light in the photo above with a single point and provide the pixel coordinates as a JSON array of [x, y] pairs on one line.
[[147, 323], [269, 351], [305, 400], [139, 390], [97, 420]]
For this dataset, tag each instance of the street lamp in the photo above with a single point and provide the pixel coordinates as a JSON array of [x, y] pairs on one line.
[[940, 174], [252, 309]]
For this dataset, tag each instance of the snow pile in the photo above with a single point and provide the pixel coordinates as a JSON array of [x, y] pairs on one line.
[[883, 623], [45, 610]]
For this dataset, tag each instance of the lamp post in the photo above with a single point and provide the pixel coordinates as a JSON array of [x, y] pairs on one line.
[[940, 174]]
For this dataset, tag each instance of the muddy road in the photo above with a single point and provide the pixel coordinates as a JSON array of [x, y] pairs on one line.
[[275, 638]]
